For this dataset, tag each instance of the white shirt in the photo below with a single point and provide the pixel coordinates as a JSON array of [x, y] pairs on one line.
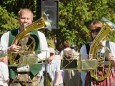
[[53, 68], [4, 74], [43, 44]]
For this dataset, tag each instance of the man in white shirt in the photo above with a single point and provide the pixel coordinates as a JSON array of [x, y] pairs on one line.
[[53, 68], [25, 17]]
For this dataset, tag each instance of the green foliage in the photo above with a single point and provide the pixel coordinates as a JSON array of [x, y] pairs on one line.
[[8, 20], [69, 28], [16, 5], [9, 10], [75, 16], [51, 43], [111, 36]]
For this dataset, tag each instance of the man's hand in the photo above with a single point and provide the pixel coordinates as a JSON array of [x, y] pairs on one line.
[[4, 59], [14, 48]]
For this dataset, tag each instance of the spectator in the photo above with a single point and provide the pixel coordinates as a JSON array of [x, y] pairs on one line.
[[71, 77], [53, 68]]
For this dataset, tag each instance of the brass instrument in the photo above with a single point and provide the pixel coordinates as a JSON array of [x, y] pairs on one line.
[[23, 36], [96, 60], [106, 29]]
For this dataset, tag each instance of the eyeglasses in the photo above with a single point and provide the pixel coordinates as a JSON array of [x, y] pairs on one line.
[[95, 30]]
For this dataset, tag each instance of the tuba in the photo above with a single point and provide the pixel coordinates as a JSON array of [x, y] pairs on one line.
[[23, 36], [106, 29]]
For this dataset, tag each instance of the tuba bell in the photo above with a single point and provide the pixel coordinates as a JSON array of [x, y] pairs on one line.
[[23, 36]]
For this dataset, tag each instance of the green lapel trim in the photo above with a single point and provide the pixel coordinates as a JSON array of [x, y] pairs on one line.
[[35, 35], [35, 68], [12, 72], [12, 36]]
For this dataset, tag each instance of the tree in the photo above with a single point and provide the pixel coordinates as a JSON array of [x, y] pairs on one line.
[[75, 16], [8, 20]]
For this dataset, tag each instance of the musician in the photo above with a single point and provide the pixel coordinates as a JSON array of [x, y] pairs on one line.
[[87, 80], [25, 18]]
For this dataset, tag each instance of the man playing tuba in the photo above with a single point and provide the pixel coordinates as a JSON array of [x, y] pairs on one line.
[[105, 51], [17, 76]]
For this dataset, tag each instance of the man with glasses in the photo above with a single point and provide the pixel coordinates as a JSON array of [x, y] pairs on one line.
[[87, 80]]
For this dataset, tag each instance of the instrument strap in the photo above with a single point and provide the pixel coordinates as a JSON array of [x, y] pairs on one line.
[[107, 51], [12, 35], [87, 47]]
